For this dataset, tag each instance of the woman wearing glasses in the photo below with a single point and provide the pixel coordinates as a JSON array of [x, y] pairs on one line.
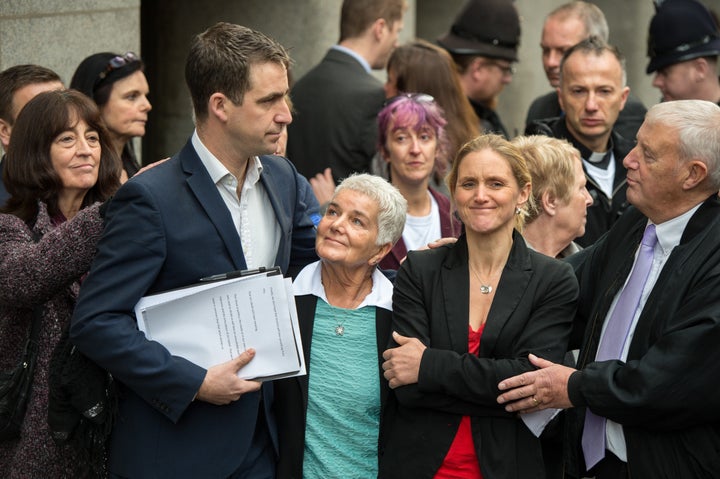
[[413, 144], [118, 86], [59, 168]]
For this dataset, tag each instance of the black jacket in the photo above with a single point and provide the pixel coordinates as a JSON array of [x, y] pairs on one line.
[[666, 394], [335, 120], [531, 313], [604, 211], [490, 121]]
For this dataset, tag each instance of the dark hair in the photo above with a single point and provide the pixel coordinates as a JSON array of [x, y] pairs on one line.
[[597, 46], [356, 16], [17, 77], [95, 75], [29, 174], [219, 62]]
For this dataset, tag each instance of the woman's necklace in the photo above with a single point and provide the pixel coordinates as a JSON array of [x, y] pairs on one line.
[[340, 329], [340, 324], [485, 287]]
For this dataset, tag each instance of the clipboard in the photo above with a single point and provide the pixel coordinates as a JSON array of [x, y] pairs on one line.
[[216, 319]]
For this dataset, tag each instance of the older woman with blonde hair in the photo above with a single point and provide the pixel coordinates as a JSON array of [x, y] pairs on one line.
[[561, 198], [329, 421], [466, 316]]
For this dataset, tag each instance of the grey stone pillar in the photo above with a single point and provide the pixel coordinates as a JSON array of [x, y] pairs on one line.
[[58, 35]]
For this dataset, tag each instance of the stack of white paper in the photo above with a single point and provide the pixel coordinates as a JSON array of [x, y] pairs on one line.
[[211, 323]]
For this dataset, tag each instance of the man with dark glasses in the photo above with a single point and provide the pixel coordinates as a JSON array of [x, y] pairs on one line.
[[483, 41]]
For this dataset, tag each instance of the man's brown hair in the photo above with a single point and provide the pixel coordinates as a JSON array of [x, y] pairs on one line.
[[17, 77], [220, 59], [357, 15]]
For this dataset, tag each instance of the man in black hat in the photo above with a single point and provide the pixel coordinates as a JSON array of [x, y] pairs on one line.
[[683, 46], [483, 42]]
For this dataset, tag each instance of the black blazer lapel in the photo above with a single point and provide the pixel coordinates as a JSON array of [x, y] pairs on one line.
[[511, 288], [306, 305], [455, 277], [204, 189], [456, 285], [383, 326]]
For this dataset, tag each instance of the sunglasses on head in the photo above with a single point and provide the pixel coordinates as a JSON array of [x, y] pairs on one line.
[[119, 61], [416, 97]]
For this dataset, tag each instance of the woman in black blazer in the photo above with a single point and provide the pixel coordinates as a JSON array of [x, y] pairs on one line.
[[465, 317]]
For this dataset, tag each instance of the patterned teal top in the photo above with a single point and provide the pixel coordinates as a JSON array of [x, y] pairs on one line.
[[343, 414]]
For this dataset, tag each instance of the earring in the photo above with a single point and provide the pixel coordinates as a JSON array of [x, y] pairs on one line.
[[517, 210]]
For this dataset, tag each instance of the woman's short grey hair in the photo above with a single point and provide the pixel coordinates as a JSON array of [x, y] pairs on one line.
[[696, 122], [392, 206]]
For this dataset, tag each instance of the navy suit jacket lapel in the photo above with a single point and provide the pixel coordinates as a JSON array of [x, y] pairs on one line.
[[284, 218], [200, 183]]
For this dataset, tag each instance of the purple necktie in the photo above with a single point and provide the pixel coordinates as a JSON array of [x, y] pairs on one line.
[[611, 345]]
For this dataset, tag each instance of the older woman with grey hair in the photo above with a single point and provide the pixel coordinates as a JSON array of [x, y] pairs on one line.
[[329, 420]]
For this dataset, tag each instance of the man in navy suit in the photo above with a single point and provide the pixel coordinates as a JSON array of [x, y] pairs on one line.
[[216, 206]]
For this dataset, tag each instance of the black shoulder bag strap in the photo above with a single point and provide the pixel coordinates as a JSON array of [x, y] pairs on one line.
[[16, 386]]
